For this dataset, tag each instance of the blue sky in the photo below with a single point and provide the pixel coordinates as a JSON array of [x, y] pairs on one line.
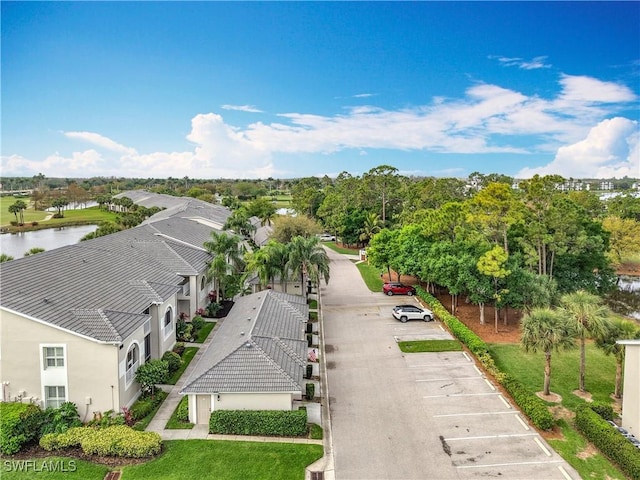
[[292, 89]]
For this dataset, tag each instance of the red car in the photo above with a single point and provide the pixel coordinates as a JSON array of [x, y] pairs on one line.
[[395, 288]]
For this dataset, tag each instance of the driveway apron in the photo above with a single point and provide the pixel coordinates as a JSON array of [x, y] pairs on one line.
[[414, 416]]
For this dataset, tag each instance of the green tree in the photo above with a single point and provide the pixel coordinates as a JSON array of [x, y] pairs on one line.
[[590, 318], [621, 329], [18, 208], [240, 223], [546, 330], [5, 258], [372, 225], [308, 259], [285, 228], [59, 204], [492, 264], [227, 259], [150, 374], [307, 196], [625, 237], [383, 183], [262, 208], [33, 251], [383, 249]]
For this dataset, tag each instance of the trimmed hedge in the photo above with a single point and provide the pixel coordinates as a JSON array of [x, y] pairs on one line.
[[608, 440], [173, 361], [532, 406], [182, 412], [19, 425], [259, 422], [115, 441]]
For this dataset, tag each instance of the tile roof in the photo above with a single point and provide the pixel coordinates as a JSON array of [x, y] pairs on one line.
[[101, 288], [259, 347]]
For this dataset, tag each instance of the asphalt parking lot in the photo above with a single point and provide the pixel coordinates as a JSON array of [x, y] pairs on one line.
[[419, 416]]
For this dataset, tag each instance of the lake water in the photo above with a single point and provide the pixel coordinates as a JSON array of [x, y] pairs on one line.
[[626, 300], [16, 244]]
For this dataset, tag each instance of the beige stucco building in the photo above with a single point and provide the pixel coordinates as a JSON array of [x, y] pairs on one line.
[[77, 322], [631, 388]]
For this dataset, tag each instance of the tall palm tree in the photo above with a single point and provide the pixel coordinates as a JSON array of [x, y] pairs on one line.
[[621, 329], [259, 262], [279, 254], [372, 225], [227, 257], [240, 223], [544, 329], [308, 258], [590, 318]]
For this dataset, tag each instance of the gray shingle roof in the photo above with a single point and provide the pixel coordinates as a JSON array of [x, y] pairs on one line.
[[259, 347]]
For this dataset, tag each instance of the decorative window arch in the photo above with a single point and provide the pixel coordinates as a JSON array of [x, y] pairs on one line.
[[167, 323], [133, 362]]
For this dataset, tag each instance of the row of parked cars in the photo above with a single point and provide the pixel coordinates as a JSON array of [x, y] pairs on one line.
[[406, 312]]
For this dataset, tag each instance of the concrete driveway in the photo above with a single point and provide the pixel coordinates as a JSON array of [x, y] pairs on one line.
[[415, 416]]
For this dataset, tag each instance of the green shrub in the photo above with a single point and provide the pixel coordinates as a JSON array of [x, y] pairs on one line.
[[114, 441], [152, 373], [182, 412], [144, 406], [310, 391], [198, 323], [173, 361], [604, 410], [608, 440], [259, 422], [179, 348], [58, 420], [532, 405], [20, 423]]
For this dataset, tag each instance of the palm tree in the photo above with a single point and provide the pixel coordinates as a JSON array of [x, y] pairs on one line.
[[620, 330], [260, 263], [227, 260], [544, 329], [590, 318], [279, 254], [308, 258], [372, 225], [240, 223], [18, 208]]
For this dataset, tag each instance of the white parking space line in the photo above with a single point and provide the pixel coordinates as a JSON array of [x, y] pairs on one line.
[[505, 402], [446, 379], [490, 384], [462, 395], [472, 414], [564, 472], [477, 370], [522, 422], [542, 447], [485, 437], [466, 355], [508, 464]]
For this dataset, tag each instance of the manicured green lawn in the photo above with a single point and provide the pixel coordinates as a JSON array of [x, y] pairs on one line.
[[565, 369], [371, 276], [343, 250], [419, 346], [220, 460], [187, 356], [588, 466], [30, 215], [36, 468], [85, 216], [204, 332], [173, 423]]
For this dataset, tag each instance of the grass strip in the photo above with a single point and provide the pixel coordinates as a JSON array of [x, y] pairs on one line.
[[204, 332], [187, 356], [173, 423], [421, 346], [227, 460], [371, 276]]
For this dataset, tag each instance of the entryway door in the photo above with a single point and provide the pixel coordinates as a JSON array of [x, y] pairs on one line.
[[203, 409]]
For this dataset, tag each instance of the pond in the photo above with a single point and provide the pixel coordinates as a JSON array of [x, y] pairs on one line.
[[626, 300], [16, 244]]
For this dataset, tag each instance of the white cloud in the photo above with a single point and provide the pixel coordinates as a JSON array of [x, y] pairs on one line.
[[364, 95], [533, 64], [241, 108], [611, 149], [486, 119], [100, 141]]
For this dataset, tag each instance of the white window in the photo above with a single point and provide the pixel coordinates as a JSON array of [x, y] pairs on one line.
[[168, 321], [133, 361], [53, 357], [54, 396]]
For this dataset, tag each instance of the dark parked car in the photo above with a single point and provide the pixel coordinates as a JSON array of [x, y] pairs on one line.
[[412, 312], [395, 288]]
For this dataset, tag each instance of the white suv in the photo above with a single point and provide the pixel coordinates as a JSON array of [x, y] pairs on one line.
[[412, 312]]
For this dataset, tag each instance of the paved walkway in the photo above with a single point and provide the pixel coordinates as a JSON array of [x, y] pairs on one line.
[[164, 413]]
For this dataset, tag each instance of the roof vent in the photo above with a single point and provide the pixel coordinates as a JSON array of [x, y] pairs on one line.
[[241, 333], [249, 318], [248, 344], [46, 300]]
